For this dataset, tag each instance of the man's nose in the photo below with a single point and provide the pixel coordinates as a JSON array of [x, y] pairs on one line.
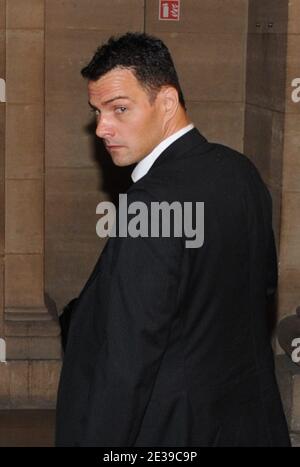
[[104, 128]]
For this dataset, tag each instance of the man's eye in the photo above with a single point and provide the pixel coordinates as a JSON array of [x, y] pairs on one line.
[[120, 110]]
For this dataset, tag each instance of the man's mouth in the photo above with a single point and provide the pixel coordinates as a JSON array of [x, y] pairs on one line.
[[113, 146]]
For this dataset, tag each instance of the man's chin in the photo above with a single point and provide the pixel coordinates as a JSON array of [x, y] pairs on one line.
[[121, 161]]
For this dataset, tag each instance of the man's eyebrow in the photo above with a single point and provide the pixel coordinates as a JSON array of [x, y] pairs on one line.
[[115, 98], [110, 100]]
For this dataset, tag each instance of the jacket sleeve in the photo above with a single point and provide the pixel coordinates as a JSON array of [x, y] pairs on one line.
[[141, 303], [262, 200]]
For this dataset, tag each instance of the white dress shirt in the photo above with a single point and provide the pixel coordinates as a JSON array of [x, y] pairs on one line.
[[145, 164]]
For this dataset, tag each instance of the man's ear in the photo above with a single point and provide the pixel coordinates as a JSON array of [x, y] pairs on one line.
[[170, 101]]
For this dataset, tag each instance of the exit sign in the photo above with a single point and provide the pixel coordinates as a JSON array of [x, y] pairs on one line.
[[169, 10]]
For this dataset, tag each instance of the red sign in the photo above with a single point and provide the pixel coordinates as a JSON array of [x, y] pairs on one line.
[[169, 10]]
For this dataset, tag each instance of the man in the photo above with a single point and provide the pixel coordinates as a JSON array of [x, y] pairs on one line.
[[168, 345]]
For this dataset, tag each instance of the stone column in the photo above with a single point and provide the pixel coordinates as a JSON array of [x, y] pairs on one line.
[[289, 280], [29, 377], [24, 268], [265, 95], [24, 185], [289, 250]]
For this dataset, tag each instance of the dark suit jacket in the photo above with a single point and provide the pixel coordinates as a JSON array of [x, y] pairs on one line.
[[168, 345]]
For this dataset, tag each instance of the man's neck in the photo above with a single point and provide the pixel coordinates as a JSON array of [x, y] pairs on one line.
[[180, 121]]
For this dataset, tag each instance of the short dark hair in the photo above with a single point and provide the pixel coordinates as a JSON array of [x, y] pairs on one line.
[[147, 56]]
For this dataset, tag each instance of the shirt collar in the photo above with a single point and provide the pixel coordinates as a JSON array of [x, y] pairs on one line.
[[145, 164]]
